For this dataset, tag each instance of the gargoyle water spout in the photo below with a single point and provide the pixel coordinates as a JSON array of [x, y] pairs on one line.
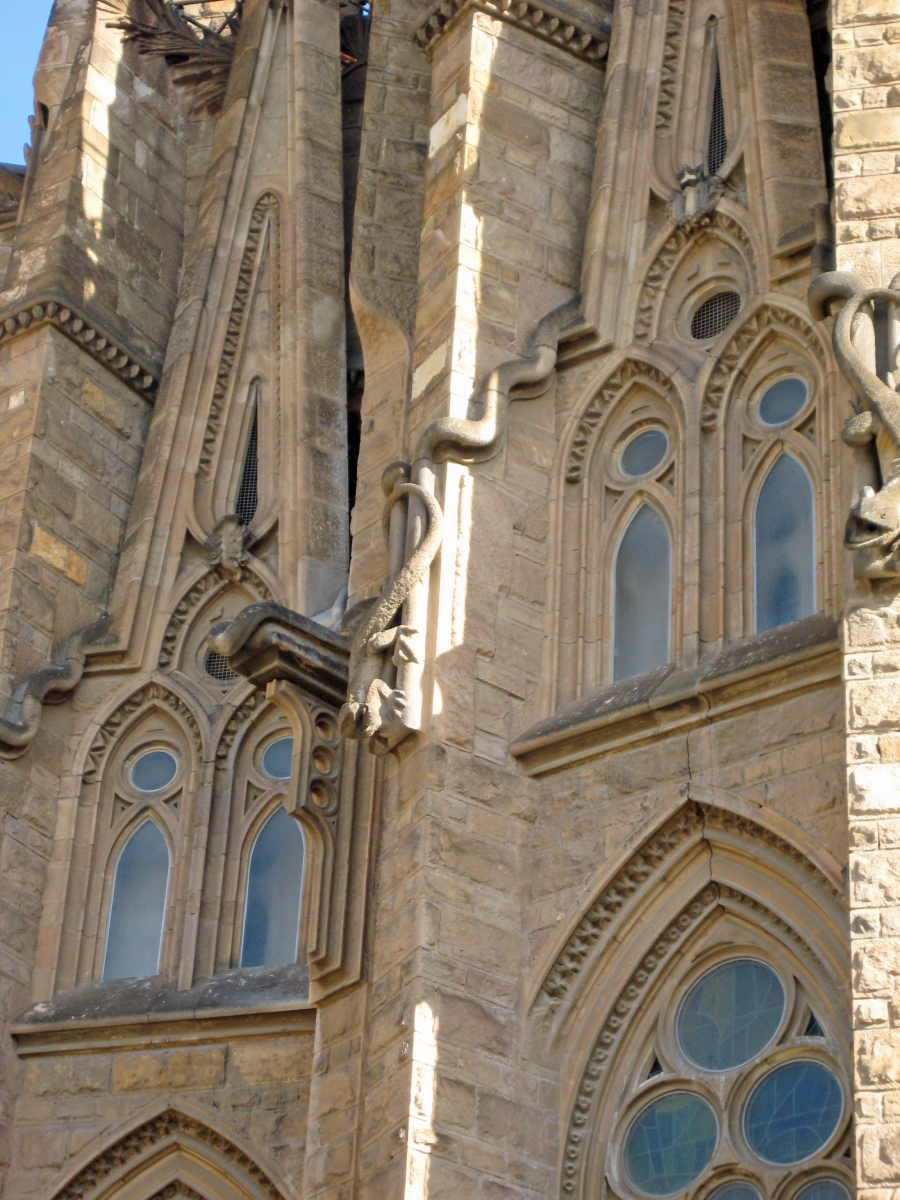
[[873, 526]]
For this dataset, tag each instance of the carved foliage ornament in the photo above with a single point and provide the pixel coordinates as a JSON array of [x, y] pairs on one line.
[[703, 224], [198, 53], [595, 411], [668, 76], [873, 526]]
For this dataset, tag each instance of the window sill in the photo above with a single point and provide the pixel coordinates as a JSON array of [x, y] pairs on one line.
[[141, 1012], [765, 668]]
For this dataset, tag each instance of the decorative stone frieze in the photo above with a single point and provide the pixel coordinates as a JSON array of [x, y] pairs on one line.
[[152, 692], [589, 42], [85, 333]]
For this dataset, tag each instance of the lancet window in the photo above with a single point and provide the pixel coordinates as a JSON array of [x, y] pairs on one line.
[[138, 905], [272, 906], [643, 587]]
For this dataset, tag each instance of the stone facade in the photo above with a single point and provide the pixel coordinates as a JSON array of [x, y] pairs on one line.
[[331, 337]]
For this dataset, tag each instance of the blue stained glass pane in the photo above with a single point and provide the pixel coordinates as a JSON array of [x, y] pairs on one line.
[[644, 452], [782, 401], [138, 906], [793, 1112], [277, 759], [642, 604], [785, 546], [736, 1190], [274, 880], [730, 1014], [153, 771], [670, 1143], [823, 1189]]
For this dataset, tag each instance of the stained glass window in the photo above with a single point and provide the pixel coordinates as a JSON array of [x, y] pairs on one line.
[[276, 760], [823, 1189], [644, 452], [642, 608], [784, 538], [670, 1143], [737, 1189], [274, 880], [782, 401], [730, 1014], [138, 905], [153, 771], [793, 1112]]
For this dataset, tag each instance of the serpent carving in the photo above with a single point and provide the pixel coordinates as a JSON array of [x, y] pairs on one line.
[[873, 526]]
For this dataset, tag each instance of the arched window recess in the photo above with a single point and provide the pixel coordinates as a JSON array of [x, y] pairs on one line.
[[784, 546], [247, 497], [272, 893], [642, 595], [137, 905]]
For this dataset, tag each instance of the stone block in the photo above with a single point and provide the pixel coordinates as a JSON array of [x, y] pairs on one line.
[[181, 1070]]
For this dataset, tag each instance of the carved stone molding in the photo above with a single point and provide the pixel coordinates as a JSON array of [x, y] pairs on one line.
[[84, 333], [628, 1000], [169, 1124], [191, 601], [767, 317], [668, 76], [588, 42], [703, 224], [647, 861], [244, 713], [265, 210], [112, 726], [199, 54], [627, 371]]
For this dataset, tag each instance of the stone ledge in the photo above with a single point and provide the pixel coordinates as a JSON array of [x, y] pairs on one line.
[[137, 1011], [761, 669], [84, 333], [586, 40]]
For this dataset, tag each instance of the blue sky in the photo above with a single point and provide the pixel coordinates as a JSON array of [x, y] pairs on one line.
[[23, 23]]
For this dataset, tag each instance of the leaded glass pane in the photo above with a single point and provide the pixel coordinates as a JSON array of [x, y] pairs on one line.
[[644, 452], [782, 401], [274, 879], [785, 546], [153, 771], [736, 1190], [793, 1112], [730, 1014], [823, 1189], [138, 906], [642, 603], [670, 1143], [277, 759]]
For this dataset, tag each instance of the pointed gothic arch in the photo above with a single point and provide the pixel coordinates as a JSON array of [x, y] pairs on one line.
[[175, 1145]]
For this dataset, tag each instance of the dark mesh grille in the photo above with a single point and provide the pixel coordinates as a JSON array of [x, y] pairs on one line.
[[714, 315], [718, 141], [217, 667], [248, 492]]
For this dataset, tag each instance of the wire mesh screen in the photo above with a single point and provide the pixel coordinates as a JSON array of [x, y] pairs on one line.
[[217, 667], [718, 140], [248, 491], [714, 315]]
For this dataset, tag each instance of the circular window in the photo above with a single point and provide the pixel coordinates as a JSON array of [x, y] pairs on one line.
[[823, 1189], [714, 315], [738, 1190], [670, 1143], [782, 401], [153, 771], [217, 667], [730, 1014], [793, 1112], [276, 761], [644, 452]]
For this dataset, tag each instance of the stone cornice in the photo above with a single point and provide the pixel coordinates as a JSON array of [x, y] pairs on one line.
[[763, 669], [85, 333], [587, 41]]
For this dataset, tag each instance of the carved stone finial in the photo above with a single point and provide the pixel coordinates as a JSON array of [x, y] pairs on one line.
[[873, 526]]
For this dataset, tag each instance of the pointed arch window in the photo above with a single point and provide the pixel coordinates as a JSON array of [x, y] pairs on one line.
[[784, 546], [138, 905], [274, 881], [717, 144], [247, 499], [643, 586]]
